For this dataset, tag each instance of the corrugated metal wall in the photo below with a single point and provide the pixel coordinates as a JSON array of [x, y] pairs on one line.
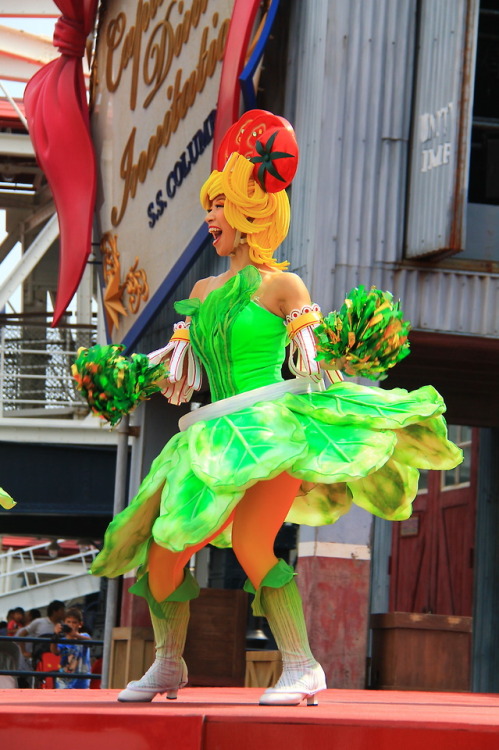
[[349, 94]]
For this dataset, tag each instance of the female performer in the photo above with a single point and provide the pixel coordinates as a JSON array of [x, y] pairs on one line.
[[266, 450]]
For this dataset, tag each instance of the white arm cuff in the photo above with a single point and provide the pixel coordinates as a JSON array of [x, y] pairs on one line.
[[185, 369], [303, 348]]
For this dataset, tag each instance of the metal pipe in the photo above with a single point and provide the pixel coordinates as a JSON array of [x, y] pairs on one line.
[[118, 506], [36, 567], [47, 639], [486, 123], [59, 675], [2, 367]]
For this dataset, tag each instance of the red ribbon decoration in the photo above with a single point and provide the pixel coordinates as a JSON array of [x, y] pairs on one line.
[[59, 126], [238, 37]]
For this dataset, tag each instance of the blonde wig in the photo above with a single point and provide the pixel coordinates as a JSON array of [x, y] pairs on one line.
[[263, 217]]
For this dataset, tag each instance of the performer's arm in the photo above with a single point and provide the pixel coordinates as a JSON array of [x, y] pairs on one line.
[[302, 316], [185, 372]]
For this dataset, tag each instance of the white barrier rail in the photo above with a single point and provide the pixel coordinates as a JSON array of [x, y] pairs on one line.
[[35, 573], [35, 365]]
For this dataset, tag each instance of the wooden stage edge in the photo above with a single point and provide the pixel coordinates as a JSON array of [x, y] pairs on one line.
[[231, 719]]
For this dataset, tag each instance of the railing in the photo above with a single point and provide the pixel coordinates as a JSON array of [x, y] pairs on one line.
[[22, 563], [88, 642], [35, 365]]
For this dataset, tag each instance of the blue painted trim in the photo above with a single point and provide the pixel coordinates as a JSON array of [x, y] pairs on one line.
[[246, 77], [200, 240]]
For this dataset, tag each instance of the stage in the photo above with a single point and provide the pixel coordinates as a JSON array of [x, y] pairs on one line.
[[230, 719]]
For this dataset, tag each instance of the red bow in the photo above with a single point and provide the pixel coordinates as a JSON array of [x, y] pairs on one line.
[[57, 111]]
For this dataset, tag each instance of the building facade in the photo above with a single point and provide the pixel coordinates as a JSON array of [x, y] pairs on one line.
[[393, 110], [394, 107]]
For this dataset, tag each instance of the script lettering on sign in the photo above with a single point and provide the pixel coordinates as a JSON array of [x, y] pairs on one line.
[[155, 87], [151, 63]]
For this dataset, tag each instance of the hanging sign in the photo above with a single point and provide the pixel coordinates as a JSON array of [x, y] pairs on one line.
[[155, 85]]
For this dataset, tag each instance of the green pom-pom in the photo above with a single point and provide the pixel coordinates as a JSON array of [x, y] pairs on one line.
[[366, 337], [5, 500], [112, 384]]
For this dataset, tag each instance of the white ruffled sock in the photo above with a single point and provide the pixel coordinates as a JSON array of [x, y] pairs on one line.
[[168, 670], [284, 611]]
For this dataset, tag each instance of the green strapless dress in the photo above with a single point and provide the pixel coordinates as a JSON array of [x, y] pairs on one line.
[[350, 443]]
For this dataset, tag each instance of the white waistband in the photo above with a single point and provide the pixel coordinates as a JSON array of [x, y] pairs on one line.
[[249, 398]]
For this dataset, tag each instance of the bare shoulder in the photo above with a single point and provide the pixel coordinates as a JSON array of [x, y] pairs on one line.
[[291, 283], [201, 287], [290, 292]]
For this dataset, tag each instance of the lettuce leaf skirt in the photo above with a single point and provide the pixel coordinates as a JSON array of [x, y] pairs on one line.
[[348, 444]]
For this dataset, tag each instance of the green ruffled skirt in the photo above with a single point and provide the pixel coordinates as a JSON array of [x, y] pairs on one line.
[[350, 443]]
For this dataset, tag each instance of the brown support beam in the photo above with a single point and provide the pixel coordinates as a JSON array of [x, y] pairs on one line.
[[16, 200]]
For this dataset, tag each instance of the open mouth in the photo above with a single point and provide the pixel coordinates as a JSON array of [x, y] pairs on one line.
[[216, 233]]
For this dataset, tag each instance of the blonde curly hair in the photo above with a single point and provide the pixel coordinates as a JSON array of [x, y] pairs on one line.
[[263, 217]]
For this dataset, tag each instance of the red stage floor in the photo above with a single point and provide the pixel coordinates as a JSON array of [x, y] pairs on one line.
[[230, 719]]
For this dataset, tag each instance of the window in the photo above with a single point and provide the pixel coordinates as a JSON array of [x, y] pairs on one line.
[[482, 234], [460, 476]]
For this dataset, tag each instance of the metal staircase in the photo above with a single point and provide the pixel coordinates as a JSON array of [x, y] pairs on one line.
[[28, 579]]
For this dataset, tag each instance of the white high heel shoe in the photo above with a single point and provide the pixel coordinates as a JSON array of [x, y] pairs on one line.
[[163, 676], [294, 686]]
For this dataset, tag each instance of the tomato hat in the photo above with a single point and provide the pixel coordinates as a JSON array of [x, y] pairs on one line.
[[267, 141]]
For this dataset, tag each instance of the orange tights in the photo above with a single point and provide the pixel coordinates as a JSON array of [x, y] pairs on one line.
[[256, 520]]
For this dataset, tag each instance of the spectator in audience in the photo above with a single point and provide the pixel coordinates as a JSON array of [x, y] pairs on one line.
[[4, 623], [75, 656], [42, 627], [25, 646], [16, 622], [10, 658], [31, 614]]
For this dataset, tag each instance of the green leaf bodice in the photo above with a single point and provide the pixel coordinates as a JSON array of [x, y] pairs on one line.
[[240, 344]]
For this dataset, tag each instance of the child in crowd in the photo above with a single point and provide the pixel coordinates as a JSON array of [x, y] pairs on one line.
[[16, 621], [75, 656]]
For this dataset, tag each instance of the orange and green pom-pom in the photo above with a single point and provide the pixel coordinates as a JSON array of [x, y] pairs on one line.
[[366, 337], [112, 384]]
